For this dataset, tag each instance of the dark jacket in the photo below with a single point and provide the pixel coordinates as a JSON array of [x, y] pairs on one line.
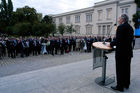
[[123, 41]]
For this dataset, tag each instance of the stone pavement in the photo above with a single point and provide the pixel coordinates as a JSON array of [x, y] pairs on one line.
[[68, 78], [137, 43], [10, 66]]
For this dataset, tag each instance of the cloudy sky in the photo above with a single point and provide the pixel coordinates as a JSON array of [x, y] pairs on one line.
[[54, 6]]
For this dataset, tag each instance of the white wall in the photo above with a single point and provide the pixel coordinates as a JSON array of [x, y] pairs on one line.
[[116, 12]]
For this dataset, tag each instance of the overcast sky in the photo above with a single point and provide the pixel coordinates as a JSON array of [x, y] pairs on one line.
[[54, 6]]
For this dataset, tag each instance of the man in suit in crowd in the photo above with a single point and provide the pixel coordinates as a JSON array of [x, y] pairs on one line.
[[123, 53], [22, 47], [0, 49], [57, 45], [52, 45]]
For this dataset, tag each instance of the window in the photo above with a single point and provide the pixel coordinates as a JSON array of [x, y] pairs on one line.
[[88, 30], [100, 14], [60, 20], [77, 28], [89, 17], [77, 19], [67, 19], [122, 11], [54, 20], [109, 11], [126, 10], [99, 30], [108, 29], [104, 30]]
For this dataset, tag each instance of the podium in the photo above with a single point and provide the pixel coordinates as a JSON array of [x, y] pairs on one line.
[[99, 60]]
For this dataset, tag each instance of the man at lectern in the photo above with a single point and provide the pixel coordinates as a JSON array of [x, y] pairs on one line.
[[123, 53]]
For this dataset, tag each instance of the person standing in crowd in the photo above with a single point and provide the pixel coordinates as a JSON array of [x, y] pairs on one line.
[[27, 45], [12, 49], [3, 47], [124, 53], [43, 49], [57, 45], [62, 41], [48, 46], [74, 43], [34, 47], [38, 46], [89, 44], [81, 45], [22, 47], [0, 49]]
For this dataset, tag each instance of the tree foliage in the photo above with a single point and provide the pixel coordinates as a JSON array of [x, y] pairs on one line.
[[41, 29], [22, 29], [6, 9], [53, 29], [138, 3], [61, 29], [51, 26], [26, 14], [24, 21], [136, 17], [70, 29], [47, 19]]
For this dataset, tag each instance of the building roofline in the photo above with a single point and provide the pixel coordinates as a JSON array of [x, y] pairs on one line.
[[105, 2], [88, 9], [75, 11], [85, 9]]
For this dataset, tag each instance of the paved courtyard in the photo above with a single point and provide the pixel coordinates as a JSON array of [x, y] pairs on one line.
[[10, 66], [70, 77]]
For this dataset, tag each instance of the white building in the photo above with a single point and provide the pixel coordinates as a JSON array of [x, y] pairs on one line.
[[99, 19]]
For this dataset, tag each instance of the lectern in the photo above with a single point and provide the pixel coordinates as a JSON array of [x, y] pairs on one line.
[[99, 60]]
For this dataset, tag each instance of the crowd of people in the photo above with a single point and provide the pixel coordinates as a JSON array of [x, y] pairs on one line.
[[24, 47]]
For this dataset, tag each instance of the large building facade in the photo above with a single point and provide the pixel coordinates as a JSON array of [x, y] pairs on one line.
[[99, 19]]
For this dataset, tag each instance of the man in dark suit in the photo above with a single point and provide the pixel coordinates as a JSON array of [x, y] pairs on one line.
[[0, 49], [124, 53]]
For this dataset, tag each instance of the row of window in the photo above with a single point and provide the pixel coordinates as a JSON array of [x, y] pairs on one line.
[[104, 30], [88, 30], [108, 14], [77, 19], [89, 16]]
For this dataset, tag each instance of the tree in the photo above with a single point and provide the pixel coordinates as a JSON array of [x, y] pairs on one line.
[[53, 29], [6, 9], [26, 14], [138, 3], [136, 17], [9, 31], [10, 8], [47, 19], [70, 29], [41, 29], [22, 29], [61, 29]]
